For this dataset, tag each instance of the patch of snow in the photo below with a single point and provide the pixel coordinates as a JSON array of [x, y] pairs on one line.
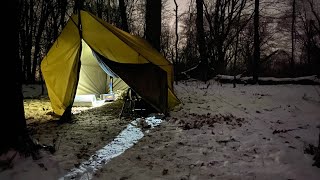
[[217, 132], [221, 132], [25, 168], [33, 90]]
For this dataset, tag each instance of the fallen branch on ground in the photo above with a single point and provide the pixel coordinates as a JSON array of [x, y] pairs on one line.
[[307, 80]]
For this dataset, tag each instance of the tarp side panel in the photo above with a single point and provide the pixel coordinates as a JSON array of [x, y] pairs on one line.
[[148, 80], [106, 43], [138, 44], [60, 66], [87, 57], [172, 100]]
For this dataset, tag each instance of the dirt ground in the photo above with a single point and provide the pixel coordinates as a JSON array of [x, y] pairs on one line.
[[89, 130]]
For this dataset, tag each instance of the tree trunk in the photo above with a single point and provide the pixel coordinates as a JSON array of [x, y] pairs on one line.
[[55, 24], [13, 124], [176, 42], [201, 41], [41, 27], [66, 116], [236, 54], [99, 5], [63, 10], [123, 14], [28, 43], [256, 44], [317, 155], [78, 5], [217, 37], [292, 37], [220, 67], [108, 11], [235, 62], [153, 23]]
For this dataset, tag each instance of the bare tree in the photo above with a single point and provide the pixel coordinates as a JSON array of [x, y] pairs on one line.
[[167, 32], [123, 14], [293, 35], [41, 23], [153, 22], [236, 53], [177, 37], [99, 7], [63, 5], [189, 55], [44, 15], [222, 18], [136, 16], [201, 41], [26, 34], [316, 15], [256, 56], [309, 36]]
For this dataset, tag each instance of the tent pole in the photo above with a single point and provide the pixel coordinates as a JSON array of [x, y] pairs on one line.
[[66, 116], [111, 85]]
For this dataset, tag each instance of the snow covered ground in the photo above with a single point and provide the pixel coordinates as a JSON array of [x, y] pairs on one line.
[[218, 132]]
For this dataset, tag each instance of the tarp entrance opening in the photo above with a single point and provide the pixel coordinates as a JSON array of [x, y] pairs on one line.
[[95, 84], [147, 80], [97, 73], [95, 77]]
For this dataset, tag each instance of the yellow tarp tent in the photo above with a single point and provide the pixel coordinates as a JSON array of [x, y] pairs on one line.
[[139, 65]]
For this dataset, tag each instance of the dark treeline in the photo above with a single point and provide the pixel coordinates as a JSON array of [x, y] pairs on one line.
[[260, 38]]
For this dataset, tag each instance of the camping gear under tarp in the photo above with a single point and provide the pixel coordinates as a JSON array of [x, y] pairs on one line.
[[88, 100], [130, 57]]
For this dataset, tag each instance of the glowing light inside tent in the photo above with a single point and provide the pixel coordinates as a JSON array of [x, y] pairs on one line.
[[89, 101], [125, 140]]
